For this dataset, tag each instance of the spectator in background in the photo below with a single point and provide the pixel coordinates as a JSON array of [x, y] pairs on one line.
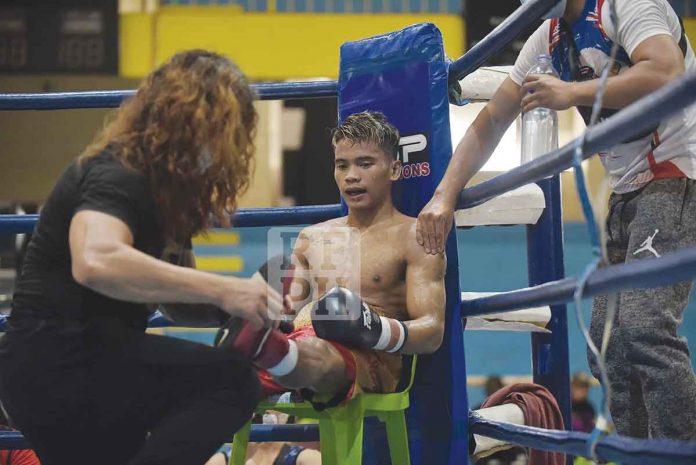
[[492, 384], [583, 413]]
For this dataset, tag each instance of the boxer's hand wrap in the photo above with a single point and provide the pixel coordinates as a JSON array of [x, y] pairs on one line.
[[368, 331]]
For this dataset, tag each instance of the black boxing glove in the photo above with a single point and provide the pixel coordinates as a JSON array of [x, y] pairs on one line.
[[331, 319], [208, 315]]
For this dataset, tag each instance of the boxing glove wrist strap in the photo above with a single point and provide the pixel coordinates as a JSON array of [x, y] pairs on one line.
[[393, 336]]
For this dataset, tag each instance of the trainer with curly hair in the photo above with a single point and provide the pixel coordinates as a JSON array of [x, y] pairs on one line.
[[78, 375]]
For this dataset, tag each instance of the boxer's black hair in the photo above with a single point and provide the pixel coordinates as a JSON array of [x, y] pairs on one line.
[[369, 127]]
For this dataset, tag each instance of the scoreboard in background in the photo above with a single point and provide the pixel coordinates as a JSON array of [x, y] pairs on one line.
[[59, 36]]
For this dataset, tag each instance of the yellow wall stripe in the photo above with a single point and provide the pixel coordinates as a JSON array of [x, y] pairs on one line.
[[269, 45], [220, 264], [690, 29], [136, 44], [217, 238]]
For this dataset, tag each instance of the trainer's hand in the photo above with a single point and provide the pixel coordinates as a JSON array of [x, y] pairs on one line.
[[541, 90], [434, 223], [253, 300]]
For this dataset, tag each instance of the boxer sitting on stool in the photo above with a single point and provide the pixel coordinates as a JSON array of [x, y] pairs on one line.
[[360, 304]]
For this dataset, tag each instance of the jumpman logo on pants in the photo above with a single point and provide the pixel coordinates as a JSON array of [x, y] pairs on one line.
[[647, 245]]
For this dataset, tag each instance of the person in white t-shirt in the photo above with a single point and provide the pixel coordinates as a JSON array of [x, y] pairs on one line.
[[653, 208]]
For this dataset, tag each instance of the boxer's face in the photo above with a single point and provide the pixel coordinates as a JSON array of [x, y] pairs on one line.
[[364, 174]]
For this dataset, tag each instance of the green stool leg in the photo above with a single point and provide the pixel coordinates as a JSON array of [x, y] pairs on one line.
[[239, 445], [329, 442], [348, 422], [397, 436]]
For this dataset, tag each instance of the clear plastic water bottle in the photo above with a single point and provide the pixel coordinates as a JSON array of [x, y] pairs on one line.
[[539, 126]]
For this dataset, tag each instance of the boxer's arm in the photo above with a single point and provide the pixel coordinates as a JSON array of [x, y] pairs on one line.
[[425, 301]]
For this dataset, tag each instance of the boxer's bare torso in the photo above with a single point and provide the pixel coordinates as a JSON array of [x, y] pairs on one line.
[[382, 249]]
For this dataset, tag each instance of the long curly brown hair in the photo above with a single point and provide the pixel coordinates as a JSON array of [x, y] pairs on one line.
[[189, 129]]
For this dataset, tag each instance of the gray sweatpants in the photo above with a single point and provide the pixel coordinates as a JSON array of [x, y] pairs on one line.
[[649, 368]]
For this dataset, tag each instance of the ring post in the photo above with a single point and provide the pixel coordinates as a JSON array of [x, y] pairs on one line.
[[404, 75], [545, 263]]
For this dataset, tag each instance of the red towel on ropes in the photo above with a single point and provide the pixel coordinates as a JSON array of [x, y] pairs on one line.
[[540, 409]]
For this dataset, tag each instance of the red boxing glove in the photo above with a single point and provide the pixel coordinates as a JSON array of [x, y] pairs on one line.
[[266, 348]]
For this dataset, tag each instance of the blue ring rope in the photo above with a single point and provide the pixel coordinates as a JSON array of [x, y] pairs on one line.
[[14, 440], [242, 218], [652, 272], [629, 122], [611, 447], [113, 98]]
